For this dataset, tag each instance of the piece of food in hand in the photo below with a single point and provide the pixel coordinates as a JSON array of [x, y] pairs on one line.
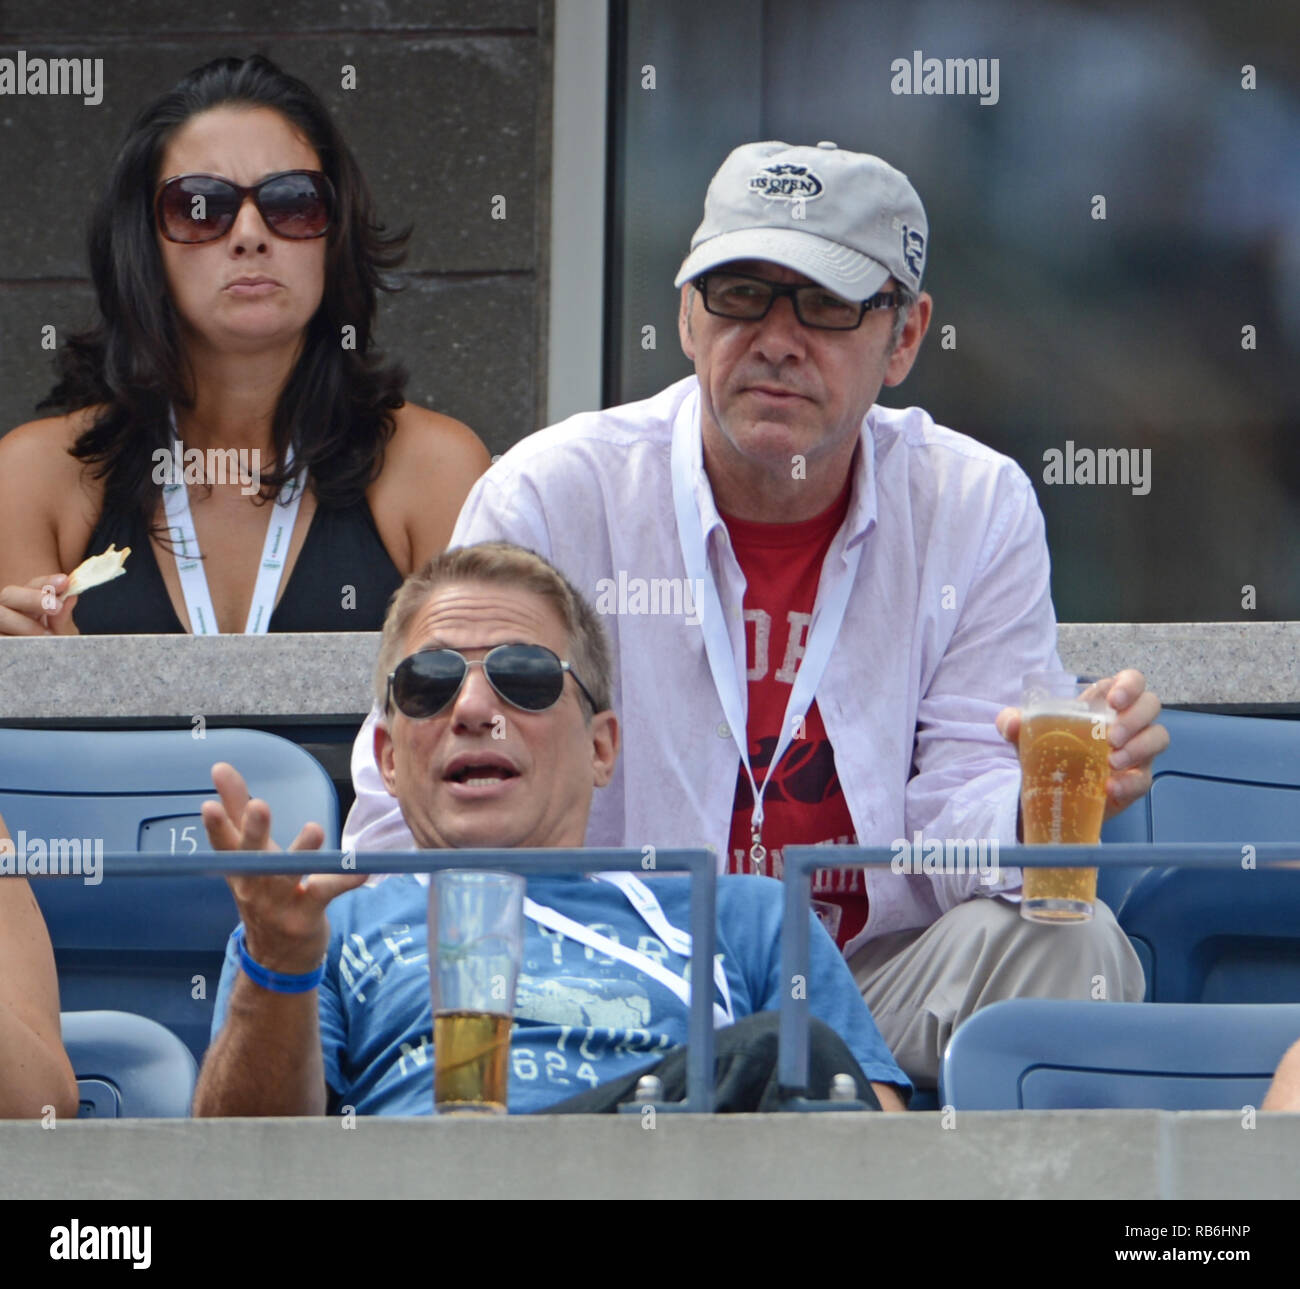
[[97, 570]]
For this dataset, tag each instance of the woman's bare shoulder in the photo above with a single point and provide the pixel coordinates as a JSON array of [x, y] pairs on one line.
[[430, 438], [49, 493], [430, 465], [47, 442]]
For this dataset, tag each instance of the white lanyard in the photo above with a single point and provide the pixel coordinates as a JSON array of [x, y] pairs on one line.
[[674, 939], [189, 567], [687, 460]]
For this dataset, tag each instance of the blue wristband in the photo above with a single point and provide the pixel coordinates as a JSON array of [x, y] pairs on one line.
[[278, 982]]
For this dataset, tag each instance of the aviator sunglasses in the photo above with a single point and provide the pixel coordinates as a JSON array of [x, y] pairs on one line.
[[527, 676], [297, 204]]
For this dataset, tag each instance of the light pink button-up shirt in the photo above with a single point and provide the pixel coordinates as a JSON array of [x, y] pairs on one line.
[[951, 607]]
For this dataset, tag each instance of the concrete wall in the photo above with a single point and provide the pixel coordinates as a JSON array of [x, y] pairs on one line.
[[1251, 667], [1055, 1154], [451, 109]]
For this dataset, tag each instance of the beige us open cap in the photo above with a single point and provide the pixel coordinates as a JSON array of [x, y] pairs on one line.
[[847, 220]]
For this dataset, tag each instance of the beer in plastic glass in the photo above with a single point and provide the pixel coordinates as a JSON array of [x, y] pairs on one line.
[[476, 933], [1064, 746]]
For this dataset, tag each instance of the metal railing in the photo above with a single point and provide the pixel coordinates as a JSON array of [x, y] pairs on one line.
[[699, 864], [801, 861], [799, 864]]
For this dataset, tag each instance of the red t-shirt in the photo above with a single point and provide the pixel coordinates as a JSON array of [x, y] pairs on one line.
[[805, 804]]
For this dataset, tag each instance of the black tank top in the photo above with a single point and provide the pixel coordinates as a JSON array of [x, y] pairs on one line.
[[342, 549]]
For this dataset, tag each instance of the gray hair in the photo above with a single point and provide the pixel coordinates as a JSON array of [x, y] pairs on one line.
[[907, 298]]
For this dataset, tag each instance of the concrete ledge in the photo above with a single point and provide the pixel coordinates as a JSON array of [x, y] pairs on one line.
[[1241, 666], [325, 675], [1110, 1154]]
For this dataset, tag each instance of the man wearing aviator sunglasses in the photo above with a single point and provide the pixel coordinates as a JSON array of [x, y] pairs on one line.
[[485, 742], [527, 676], [863, 590]]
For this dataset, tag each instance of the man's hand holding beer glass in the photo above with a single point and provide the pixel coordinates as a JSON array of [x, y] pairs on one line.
[[1085, 753], [1135, 739]]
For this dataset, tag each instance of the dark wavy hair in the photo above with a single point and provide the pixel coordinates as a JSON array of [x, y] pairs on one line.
[[336, 410]]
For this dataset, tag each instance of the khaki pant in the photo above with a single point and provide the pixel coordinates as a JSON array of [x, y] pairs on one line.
[[921, 984]]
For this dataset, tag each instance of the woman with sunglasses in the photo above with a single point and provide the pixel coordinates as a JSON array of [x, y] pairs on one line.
[[236, 258]]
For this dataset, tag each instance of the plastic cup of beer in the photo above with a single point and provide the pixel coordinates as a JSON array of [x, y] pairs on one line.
[[476, 940], [1064, 751]]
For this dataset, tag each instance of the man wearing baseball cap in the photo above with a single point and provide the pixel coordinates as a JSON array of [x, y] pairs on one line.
[[821, 608]]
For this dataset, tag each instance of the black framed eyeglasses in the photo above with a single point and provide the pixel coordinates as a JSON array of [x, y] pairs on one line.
[[527, 676], [297, 204], [742, 296]]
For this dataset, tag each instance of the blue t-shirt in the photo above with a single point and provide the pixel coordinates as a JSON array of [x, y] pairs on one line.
[[581, 1018]]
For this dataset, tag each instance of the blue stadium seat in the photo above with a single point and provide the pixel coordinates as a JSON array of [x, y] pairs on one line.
[[152, 946], [128, 1067], [1054, 1054], [1215, 935]]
